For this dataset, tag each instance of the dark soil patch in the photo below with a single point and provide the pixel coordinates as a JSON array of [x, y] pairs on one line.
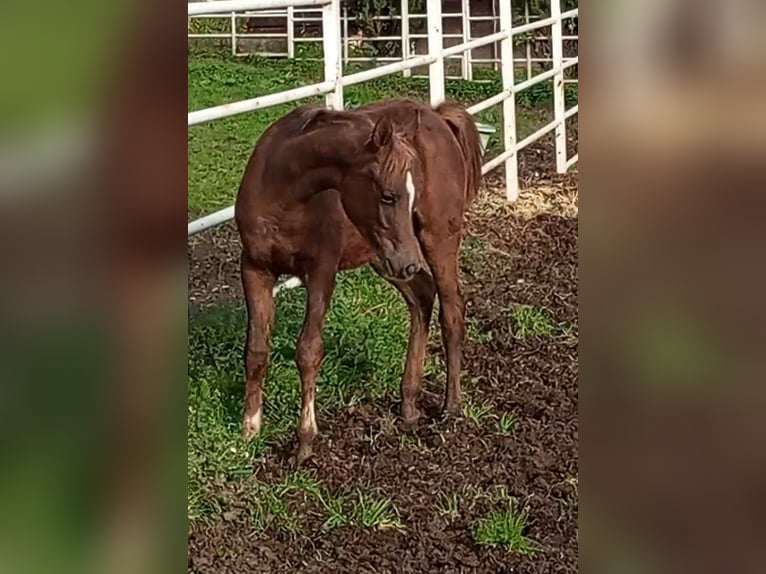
[[533, 261]]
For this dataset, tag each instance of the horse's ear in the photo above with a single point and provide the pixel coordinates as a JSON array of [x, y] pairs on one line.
[[412, 126], [317, 117], [382, 132]]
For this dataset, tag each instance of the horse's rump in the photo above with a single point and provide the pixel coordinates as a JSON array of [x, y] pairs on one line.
[[464, 129]]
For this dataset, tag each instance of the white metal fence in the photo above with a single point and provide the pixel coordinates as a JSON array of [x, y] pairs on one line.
[[334, 80], [291, 43]]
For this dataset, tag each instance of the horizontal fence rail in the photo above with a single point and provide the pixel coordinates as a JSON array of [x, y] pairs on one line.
[[286, 44], [334, 81]]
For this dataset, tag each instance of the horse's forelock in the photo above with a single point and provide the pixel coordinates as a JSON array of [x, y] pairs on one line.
[[399, 156]]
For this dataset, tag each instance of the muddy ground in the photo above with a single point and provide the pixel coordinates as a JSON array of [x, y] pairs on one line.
[[524, 254]]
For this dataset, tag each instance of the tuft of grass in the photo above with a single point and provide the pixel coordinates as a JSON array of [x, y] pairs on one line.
[[476, 412], [447, 505], [336, 515], [504, 528], [530, 321], [372, 512], [270, 507], [507, 424], [476, 333]]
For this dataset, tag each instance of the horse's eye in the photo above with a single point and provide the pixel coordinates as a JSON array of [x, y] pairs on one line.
[[389, 197]]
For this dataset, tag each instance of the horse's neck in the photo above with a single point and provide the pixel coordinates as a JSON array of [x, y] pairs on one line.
[[315, 162], [318, 179]]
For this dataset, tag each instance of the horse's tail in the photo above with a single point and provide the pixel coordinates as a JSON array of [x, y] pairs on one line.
[[464, 128]]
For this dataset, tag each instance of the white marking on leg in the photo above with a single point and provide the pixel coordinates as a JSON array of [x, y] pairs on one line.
[[308, 419], [254, 422], [410, 190]]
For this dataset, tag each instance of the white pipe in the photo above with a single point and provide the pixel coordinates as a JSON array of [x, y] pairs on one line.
[[527, 43], [489, 102], [211, 220], [222, 6], [290, 32], [544, 76], [466, 27], [435, 47], [559, 107], [405, 28], [235, 108], [333, 65], [496, 162], [572, 111], [509, 104], [372, 73], [573, 160], [478, 43]]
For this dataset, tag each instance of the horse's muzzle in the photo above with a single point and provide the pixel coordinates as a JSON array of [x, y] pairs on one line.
[[399, 270]]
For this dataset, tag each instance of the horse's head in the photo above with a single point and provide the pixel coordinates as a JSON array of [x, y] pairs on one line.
[[378, 183], [381, 191]]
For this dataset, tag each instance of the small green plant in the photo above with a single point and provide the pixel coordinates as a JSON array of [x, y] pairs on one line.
[[336, 516], [371, 512], [530, 321], [447, 505], [507, 423], [504, 528], [300, 480], [268, 507], [475, 412]]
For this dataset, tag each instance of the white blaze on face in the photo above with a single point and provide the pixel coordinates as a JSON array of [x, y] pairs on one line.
[[411, 190]]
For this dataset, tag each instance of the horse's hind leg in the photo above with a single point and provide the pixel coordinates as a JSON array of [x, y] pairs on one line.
[[419, 293], [309, 352], [258, 284], [442, 257]]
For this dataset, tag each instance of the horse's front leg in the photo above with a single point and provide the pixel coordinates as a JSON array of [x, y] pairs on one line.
[[419, 293], [442, 257], [309, 353], [258, 284]]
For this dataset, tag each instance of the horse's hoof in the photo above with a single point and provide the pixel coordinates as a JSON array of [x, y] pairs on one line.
[[410, 418], [304, 453], [453, 410]]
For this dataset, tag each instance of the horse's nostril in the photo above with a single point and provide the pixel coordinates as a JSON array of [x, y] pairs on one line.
[[411, 269]]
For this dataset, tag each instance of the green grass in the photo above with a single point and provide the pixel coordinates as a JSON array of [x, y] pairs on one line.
[[507, 423], [218, 150], [530, 321], [477, 412], [504, 528], [365, 345], [448, 505], [372, 512]]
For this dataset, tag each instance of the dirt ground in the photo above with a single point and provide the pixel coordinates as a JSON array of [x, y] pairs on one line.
[[520, 254]]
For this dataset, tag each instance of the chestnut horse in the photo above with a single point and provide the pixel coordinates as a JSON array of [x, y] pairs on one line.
[[386, 184]]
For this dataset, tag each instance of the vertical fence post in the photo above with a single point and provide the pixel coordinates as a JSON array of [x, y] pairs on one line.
[[435, 48], [333, 65], [405, 29], [233, 33], [509, 104], [345, 35], [466, 60], [290, 32], [557, 53], [527, 43]]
